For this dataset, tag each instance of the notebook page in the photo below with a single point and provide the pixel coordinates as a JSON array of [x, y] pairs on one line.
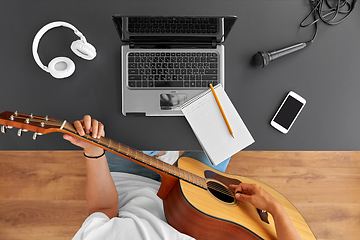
[[208, 124]]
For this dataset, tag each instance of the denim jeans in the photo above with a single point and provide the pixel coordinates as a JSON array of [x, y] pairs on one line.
[[120, 164]]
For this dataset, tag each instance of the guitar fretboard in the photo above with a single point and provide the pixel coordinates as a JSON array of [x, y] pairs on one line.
[[139, 156]]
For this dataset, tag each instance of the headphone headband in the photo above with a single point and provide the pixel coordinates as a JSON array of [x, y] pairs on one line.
[[43, 30]]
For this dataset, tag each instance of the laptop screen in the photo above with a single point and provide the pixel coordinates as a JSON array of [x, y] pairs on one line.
[[171, 29]]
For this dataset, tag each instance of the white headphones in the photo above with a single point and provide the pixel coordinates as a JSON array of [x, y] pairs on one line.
[[62, 67]]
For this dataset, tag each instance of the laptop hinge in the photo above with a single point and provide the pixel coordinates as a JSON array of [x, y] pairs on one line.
[[170, 45], [213, 43]]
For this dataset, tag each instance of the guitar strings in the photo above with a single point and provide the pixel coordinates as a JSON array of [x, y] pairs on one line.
[[54, 122], [39, 120], [220, 188]]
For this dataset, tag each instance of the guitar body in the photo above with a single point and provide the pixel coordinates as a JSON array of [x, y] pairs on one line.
[[205, 215]]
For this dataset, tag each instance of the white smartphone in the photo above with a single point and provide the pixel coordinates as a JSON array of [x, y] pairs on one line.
[[288, 111]]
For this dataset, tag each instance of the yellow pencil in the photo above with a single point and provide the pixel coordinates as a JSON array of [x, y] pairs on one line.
[[221, 110]]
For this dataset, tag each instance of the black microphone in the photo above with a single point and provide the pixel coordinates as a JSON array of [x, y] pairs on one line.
[[261, 59]]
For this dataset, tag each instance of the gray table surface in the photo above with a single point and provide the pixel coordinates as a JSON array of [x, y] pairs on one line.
[[326, 73]]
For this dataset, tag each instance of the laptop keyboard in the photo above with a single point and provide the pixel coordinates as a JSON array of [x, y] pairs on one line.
[[201, 25], [173, 69]]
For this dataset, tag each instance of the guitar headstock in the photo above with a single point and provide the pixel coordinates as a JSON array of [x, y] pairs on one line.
[[29, 122]]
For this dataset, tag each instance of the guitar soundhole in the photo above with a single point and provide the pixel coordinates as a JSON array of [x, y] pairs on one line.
[[220, 191]]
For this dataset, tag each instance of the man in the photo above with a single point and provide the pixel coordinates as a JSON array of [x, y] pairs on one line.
[[124, 205]]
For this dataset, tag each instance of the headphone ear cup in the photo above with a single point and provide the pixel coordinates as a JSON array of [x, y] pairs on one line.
[[83, 50], [61, 67]]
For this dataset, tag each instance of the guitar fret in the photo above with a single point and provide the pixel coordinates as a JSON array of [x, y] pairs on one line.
[[113, 145], [123, 149], [169, 168], [191, 177], [182, 173], [149, 158], [141, 156], [185, 175], [104, 142], [146, 159], [198, 182], [131, 152], [127, 150], [203, 183], [173, 169], [194, 177]]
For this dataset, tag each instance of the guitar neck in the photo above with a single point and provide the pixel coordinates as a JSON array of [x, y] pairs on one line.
[[44, 125], [140, 157]]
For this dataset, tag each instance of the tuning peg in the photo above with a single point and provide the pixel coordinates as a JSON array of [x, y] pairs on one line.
[[20, 131], [36, 134], [3, 128]]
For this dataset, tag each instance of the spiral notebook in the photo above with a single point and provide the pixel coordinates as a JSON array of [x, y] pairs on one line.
[[208, 124]]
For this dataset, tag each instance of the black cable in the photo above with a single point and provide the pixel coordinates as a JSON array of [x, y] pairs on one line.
[[332, 14]]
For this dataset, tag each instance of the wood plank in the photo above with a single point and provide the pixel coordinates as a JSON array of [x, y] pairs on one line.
[[42, 193], [41, 219], [323, 186], [42, 175], [332, 220]]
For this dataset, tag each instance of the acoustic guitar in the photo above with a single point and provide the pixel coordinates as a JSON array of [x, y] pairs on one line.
[[197, 200]]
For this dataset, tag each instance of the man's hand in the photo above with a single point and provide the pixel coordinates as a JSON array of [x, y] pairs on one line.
[[255, 195], [261, 199], [89, 126]]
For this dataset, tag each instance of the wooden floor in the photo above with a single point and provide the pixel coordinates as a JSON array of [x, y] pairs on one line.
[[42, 193]]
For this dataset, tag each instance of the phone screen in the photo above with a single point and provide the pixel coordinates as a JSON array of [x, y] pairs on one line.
[[288, 112]]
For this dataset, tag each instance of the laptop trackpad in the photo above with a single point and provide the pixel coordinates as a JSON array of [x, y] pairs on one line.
[[172, 101]]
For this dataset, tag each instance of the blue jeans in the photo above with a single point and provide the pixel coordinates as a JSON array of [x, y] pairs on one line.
[[120, 164]]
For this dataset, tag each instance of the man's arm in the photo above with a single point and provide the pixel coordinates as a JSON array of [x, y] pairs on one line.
[[261, 199], [101, 194]]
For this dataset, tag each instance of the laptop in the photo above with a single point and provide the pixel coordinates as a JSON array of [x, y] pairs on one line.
[[167, 60]]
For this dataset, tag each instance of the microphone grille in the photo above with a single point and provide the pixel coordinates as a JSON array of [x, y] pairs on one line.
[[260, 59]]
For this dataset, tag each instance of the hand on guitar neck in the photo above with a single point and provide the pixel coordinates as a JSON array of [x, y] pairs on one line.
[[87, 126], [101, 194], [261, 199]]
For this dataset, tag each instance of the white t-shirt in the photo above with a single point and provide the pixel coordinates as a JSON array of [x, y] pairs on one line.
[[140, 216]]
